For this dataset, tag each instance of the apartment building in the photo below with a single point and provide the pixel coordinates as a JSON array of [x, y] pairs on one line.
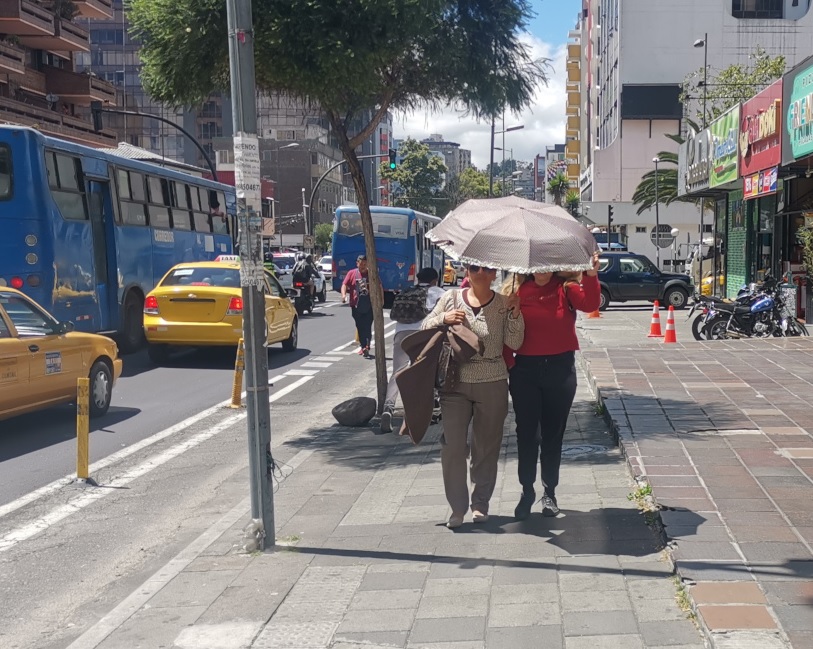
[[456, 159], [633, 57], [40, 85]]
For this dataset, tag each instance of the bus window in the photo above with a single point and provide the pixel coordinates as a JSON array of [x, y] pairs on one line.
[[217, 208], [159, 213], [5, 172], [180, 204], [66, 190], [131, 197]]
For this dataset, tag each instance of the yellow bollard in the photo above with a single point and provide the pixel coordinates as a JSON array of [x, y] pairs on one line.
[[237, 387], [82, 427]]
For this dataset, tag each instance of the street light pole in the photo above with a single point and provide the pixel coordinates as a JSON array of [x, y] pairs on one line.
[[491, 163], [260, 532], [705, 45], [656, 160]]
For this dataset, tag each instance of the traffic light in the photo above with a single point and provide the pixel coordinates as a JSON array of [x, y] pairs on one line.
[[96, 112], [393, 162], [609, 214]]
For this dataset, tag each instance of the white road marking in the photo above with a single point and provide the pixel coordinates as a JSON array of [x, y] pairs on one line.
[[319, 365], [60, 513], [274, 379], [296, 372], [325, 359], [342, 347], [94, 636]]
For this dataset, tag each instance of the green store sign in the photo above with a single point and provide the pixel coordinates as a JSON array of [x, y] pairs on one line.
[[725, 135], [799, 123]]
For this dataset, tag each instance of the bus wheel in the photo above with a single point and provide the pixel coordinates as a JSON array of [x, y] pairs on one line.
[[132, 329]]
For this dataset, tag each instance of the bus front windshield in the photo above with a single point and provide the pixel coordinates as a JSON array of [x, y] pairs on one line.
[[386, 226]]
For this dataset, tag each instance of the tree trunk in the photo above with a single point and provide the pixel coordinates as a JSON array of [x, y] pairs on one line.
[[376, 295]]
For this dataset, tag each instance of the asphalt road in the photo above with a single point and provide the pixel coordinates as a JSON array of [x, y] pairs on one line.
[[39, 448]]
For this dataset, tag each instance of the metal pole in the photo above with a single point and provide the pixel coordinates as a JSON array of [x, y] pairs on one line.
[[700, 250], [491, 163], [657, 220], [502, 189], [305, 214], [260, 533], [705, 73]]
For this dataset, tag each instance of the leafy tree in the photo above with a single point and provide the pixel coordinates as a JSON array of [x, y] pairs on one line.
[[323, 233], [572, 201], [418, 177], [347, 57], [558, 187], [732, 85], [470, 183]]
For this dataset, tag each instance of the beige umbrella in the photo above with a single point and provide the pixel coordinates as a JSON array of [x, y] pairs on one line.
[[515, 235]]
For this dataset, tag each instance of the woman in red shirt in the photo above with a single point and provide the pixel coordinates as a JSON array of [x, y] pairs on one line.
[[543, 376]]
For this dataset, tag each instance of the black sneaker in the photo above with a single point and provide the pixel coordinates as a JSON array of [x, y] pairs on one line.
[[386, 421], [549, 506], [523, 508]]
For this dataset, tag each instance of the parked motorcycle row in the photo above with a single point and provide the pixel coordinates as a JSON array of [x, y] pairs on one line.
[[758, 311]]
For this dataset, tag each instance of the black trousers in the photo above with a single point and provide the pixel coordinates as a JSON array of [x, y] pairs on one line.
[[542, 389], [364, 326]]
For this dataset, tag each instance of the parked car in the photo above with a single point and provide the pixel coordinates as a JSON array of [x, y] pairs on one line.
[[200, 304], [326, 264], [41, 359], [626, 276]]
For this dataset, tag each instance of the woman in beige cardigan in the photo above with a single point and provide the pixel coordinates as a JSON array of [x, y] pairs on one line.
[[480, 396]]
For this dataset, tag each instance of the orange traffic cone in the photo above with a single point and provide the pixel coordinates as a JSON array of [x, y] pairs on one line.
[[671, 336], [655, 326], [594, 314]]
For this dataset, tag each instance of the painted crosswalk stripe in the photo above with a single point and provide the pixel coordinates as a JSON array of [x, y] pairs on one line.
[[297, 372], [319, 365]]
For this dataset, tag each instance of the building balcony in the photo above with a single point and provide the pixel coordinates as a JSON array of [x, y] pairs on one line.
[[64, 37], [574, 53], [574, 74], [572, 150], [574, 99], [79, 88], [55, 124], [95, 8], [31, 81], [25, 18], [12, 59], [573, 123]]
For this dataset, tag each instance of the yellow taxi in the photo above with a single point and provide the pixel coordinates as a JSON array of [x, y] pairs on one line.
[[708, 282], [41, 359], [449, 274], [200, 304]]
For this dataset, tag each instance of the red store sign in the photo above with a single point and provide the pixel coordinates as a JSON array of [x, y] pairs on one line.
[[760, 131]]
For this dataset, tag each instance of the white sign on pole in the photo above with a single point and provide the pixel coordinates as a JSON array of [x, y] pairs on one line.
[[249, 207]]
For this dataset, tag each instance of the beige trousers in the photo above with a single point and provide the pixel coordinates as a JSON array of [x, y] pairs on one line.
[[485, 406]]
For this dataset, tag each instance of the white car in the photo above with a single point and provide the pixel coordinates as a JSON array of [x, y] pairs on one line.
[[326, 264]]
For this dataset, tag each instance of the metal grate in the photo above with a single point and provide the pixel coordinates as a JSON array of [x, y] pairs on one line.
[[789, 299]]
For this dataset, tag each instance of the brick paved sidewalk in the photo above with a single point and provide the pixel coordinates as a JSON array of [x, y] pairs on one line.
[[723, 432], [369, 562]]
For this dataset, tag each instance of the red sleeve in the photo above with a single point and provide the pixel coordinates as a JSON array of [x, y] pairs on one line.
[[586, 296], [508, 356], [350, 278]]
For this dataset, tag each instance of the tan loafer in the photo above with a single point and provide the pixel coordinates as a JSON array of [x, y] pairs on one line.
[[479, 517], [455, 521]]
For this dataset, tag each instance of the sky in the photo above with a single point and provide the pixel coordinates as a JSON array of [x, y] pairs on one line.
[[544, 120]]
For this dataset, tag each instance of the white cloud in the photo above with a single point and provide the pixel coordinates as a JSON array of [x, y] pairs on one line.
[[544, 119]]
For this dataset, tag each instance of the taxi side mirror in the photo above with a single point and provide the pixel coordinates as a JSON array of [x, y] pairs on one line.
[[291, 292], [63, 328]]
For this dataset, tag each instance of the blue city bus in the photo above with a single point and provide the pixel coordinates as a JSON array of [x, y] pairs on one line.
[[400, 243], [88, 234]]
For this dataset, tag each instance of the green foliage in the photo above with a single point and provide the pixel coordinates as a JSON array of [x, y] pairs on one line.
[[805, 238], [558, 187], [470, 183], [572, 200], [65, 9], [732, 85], [419, 176], [323, 234], [667, 185]]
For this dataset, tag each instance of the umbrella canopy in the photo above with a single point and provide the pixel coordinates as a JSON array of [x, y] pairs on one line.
[[516, 235]]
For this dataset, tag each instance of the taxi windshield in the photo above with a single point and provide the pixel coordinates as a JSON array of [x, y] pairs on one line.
[[208, 276]]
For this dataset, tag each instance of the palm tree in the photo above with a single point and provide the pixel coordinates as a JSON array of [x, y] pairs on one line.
[[558, 186], [644, 196], [572, 200]]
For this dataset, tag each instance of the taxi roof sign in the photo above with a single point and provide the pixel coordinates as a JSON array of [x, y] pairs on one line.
[[227, 258]]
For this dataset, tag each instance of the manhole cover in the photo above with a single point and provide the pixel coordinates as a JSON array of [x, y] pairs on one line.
[[582, 449]]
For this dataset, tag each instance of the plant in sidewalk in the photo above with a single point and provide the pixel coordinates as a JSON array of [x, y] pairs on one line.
[[572, 201], [683, 599], [804, 236], [357, 61]]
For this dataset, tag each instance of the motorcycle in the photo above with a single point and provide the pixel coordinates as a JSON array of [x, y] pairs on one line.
[[303, 300], [706, 303], [764, 315]]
